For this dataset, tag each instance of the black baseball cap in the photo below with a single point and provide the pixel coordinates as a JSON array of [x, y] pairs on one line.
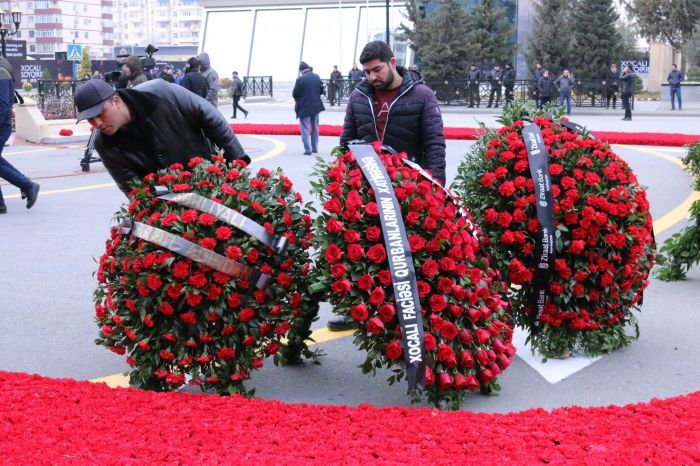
[[90, 96]]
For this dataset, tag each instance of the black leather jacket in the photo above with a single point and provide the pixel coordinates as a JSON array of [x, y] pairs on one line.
[[170, 124]]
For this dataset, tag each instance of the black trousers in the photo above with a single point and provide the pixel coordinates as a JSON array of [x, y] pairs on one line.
[[626, 104], [509, 94], [497, 92], [611, 94], [237, 106], [543, 101], [474, 94]]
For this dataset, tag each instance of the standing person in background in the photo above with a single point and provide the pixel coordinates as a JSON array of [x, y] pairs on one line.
[[565, 83], [236, 94], [167, 74], [509, 82], [212, 78], [674, 83], [627, 83], [474, 78], [178, 76], [545, 89], [539, 72], [133, 69], [355, 75], [307, 105], [495, 76], [612, 81], [193, 80], [28, 188], [334, 86]]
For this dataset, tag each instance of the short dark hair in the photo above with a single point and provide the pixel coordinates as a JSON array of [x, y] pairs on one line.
[[674, 65], [376, 50]]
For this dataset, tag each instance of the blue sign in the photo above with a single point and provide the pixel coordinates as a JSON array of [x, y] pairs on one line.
[[74, 52]]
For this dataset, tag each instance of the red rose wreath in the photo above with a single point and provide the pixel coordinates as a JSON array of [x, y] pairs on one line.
[[467, 341], [603, 240], [175, 317]]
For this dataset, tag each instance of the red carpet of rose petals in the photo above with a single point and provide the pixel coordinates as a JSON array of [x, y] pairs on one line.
[[50, 421], [612, 137]]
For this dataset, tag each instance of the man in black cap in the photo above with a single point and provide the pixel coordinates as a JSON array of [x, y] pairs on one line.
[[307, 105], [152, 126]]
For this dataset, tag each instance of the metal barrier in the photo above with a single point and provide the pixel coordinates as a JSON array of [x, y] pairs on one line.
[[585, 92], [254, 86]]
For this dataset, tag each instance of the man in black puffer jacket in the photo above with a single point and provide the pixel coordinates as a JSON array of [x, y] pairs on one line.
[[395, 106], [151, 127], [194, 81]]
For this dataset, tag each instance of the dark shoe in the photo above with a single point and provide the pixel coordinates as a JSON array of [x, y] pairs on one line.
[[246, 115], [488, 106], [233, 117], [3, 208], [307, 153], [339, 324], [32, 195]]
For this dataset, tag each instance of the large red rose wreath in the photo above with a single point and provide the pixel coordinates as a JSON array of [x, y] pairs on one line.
[[175, 317], [467, 339], [603, 240]]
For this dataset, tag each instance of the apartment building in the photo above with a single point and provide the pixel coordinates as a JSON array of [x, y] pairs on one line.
[[157, 22], [48, 26]]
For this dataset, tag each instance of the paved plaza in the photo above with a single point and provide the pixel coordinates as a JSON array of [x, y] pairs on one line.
[[47, 260]]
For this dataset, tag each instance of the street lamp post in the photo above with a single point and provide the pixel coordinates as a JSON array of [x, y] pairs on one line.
[[387, 21], [16, 16]]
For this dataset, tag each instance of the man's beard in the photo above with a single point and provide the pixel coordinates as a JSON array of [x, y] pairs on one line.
[[385, 85]]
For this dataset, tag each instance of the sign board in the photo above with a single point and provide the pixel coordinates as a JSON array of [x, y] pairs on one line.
[[75, 52], [638, 66], [16, 49]]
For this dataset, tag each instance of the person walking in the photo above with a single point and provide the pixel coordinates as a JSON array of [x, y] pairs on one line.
[[212, 78], [141, 130], [674, 83], [308, 105], [334, 86], [236, 94], [28, 188], [627, 83], [612, 82], [133, 69], [395, 106], [509, 82], [193, 80], [495, 76], [474, 78], [565, 84], [545, 89]]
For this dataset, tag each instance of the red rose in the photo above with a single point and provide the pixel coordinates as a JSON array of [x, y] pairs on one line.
[[445, 380], [577, 246], [445, 352], [471, 383], [506, 189], [355, 252], [206, 219], [384, 277], [342, 286], [371, 209], [518, 273], [416, 243], [448, 331], [437, 302], [429, 341], [351, 236], [430, 268], [483, 358], [373, 233], [333, 206], [338, 270], [246, 314], [181, 269], [284, 280], [333, 253], [334, 225], [376, 297], [394, 350], [226, 353], [466, 359], [189, 318], [429, 377], [481, 335], [374, 326], [359, 312], [272, 348], [376, 254], [486, 376], [386, 312], [447, 264], [365, 282], [166, 309], [153, 281], [166, 355]]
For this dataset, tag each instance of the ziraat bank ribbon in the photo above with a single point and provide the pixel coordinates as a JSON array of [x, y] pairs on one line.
[[403, 274], [576, 127], [195, 252], [225, 214], [538, 158]]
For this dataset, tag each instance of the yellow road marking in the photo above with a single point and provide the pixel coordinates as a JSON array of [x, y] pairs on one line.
[[29, 151], [278, 148], [67, 190], [319, 336]]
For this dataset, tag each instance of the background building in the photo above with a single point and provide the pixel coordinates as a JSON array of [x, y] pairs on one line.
[[48, 26]]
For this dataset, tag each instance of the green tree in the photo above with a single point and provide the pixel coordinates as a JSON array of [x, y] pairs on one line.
[[440, 38], [46, 75], [549, 41], [595, 39], [85, 67], [672, 21], [490, 33]]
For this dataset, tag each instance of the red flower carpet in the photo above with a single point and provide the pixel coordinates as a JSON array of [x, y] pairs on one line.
[[50, 421], [612, 137]]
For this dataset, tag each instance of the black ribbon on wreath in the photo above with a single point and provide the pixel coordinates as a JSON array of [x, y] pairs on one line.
[[403, 274], [195, 252], [538, 159]]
